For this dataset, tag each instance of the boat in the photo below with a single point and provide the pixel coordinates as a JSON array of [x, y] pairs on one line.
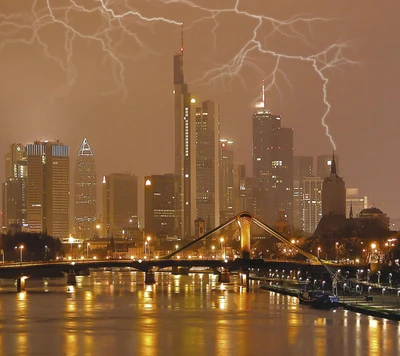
[[318, 299]]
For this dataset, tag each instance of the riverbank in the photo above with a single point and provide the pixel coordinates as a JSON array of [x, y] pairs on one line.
[[387, 307]]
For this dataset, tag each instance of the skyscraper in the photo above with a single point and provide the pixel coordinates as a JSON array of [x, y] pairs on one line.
[[120, 203], [14, 189], [226, 179], [272, 165], [302, 168], [159, 205], [85, 192], [312, 203], [333, 193], [48, 188], [185, 153], [207, 163]]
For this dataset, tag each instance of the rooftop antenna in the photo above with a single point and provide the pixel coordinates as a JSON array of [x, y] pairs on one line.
[[263, 94]]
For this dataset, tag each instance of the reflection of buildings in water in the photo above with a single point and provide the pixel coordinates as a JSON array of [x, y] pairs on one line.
[[70, 317]]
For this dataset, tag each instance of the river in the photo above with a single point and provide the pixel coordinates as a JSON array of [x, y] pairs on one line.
[[114, 313]]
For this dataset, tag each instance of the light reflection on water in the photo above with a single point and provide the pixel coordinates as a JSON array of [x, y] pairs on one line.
[[115, 313]]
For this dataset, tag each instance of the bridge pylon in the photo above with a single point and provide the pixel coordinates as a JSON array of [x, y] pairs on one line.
[[244, 221]]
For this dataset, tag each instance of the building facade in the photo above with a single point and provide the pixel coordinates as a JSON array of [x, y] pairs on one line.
[[226, 179], [207, 163], [312, 203], [303, 167], [120, 203], [159, 205], [48, 188]]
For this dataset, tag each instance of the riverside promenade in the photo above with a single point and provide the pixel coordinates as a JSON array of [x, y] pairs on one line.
[[372, 299]]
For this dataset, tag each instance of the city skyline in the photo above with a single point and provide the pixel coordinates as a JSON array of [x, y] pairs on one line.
[[145, 118]]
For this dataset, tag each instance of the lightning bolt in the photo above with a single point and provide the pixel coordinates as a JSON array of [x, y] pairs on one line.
[[115, 22]]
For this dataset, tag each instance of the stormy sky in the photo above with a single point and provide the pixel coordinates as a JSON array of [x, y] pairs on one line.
[[103, 70]]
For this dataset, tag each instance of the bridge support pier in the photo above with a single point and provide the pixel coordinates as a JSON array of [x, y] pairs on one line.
[[21, 284], [244, 279], [71, 278], [224, 277], [149, 278]]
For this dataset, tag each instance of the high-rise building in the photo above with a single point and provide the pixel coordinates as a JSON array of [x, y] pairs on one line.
[[14, 189], [120, 203], [85, 192], [355, 202], [185, 152], [226, 179], [48, 187], [312, 203], [302, 168], [333, 193], [159, 205], [272, 165], [207, 163], [324, 163]]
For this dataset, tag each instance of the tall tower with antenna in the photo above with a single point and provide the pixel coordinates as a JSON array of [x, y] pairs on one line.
[[272, 164], [185, 150]]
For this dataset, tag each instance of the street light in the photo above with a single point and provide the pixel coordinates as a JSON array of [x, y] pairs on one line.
[[318, 249], [357, 287], [398, 304], [383, 292], [21, 247], [337, 251], [87, 249]]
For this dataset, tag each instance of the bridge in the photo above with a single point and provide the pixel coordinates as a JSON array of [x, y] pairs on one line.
[[242, 264]]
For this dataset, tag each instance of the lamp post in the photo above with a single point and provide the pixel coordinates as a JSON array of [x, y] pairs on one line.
[[357, 287], [318, 249], [212, 249], [383, 292], [20, 247], [337, 251], [369, 295], [148, 245], [87, 250], [2, 252], [398, 303]]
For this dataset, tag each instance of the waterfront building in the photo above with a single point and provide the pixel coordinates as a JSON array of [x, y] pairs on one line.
[[272, 165], [48, 188], [120, 203], [226, 178], [312, 203], [85, 192], [303, 167], [159, 205]]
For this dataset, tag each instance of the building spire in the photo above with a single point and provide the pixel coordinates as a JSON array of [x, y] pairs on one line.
[[333, 165], [85, 149]]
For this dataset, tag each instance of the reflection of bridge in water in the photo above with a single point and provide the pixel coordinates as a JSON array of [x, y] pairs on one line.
[[243, 264]]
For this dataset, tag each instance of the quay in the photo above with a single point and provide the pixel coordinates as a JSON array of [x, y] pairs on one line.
[[380, 302]]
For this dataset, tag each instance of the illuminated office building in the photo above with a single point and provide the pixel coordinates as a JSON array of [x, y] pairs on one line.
[[85, 192], [47, 188], [120, 203]]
